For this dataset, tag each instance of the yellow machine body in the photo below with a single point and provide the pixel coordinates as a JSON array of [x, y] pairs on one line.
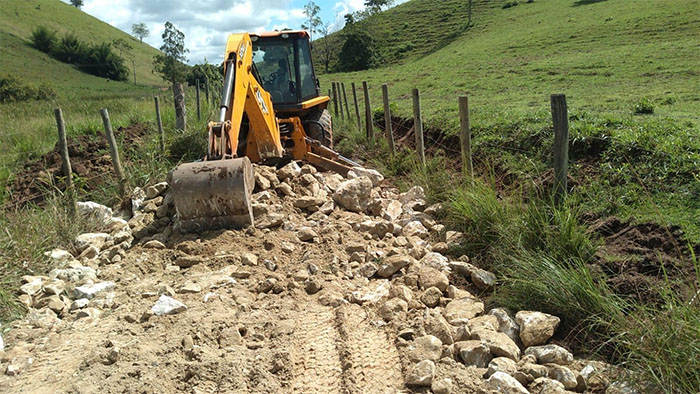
[[289, 120]]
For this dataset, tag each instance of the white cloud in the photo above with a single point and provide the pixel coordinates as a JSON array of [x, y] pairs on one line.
[[206, 23]]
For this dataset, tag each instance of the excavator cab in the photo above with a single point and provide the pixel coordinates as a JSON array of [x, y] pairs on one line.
[[284, 67]]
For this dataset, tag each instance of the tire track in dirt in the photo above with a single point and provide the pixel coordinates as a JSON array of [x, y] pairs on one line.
[[370, 359], [317, 365]]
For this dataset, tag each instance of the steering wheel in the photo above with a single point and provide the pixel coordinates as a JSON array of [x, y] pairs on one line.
[[271, 78]]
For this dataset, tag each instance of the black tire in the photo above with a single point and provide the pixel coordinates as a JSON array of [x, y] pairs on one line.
[[319, 126]]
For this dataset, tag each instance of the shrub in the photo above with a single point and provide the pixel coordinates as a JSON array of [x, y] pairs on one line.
[[358, 52], [203, 71], [509, 4], [103, 62], [43, 39], [70, 49], [644, 106], [13, 89]]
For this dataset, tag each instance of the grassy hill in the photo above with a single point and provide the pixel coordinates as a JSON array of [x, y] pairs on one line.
[[606, 56], [19, 18]]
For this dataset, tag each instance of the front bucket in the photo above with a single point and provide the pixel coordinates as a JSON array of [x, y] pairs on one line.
[[213, 194]]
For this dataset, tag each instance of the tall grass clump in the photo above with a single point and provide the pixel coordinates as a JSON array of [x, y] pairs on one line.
[[663, 342]]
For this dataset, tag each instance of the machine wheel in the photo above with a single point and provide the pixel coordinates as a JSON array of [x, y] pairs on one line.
[[319, 126]]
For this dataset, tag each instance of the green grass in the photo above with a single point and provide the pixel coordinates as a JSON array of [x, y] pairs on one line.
[[611, 58]]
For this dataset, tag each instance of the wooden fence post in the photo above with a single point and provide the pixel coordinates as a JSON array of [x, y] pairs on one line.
[[114, 152], [387, 119], [206, 91], [340, 101], [199, 112], [335, 100], [345, 99], [418, 126], [466, 138], [560, 118], [357, 107], [160, 125], [368, 115], [65, 159]]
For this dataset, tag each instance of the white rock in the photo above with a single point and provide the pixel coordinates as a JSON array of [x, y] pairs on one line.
[[562, 374], [94, 210], [501, 364], [536, 327], [138, 196], [427, 347], [354, 194], [250, 259], [74, 274], [463, 308], [435, 260], [83, 241], [291, 170], [79, 304], [374, 294], [415, 228], [474, 353], [503, 383], [392, 211], [421, 374], [373, 175], [59, 255], [156, 190], [90, 291], [392, 264], [506, 324], [2, 344], [167, 306], [32, 287], [413, 194], [550, 354]]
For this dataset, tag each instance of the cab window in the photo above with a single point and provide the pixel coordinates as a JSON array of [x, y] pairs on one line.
[[274, 60]]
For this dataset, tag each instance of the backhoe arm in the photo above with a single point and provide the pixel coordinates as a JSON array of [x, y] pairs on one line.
[[242, 94]]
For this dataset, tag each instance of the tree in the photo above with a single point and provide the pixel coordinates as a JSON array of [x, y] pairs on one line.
[[326, 48], [122, 46], [76, 3], [140, 30], [171, 67], [313, 21], [376, 5], [349, 19], [358, 51]]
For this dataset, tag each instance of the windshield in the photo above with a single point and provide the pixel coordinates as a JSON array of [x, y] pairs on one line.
[[277, 68]]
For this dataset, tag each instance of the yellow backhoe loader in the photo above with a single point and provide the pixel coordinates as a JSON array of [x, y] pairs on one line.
[[271, 110]]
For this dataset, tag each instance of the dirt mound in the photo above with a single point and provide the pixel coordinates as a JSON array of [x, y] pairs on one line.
[[90, 161], [637, 258]]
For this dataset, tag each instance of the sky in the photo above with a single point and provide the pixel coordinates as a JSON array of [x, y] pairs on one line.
[[206, 23]]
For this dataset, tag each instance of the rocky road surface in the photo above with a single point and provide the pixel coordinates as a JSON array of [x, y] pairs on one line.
[[343, 286]]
